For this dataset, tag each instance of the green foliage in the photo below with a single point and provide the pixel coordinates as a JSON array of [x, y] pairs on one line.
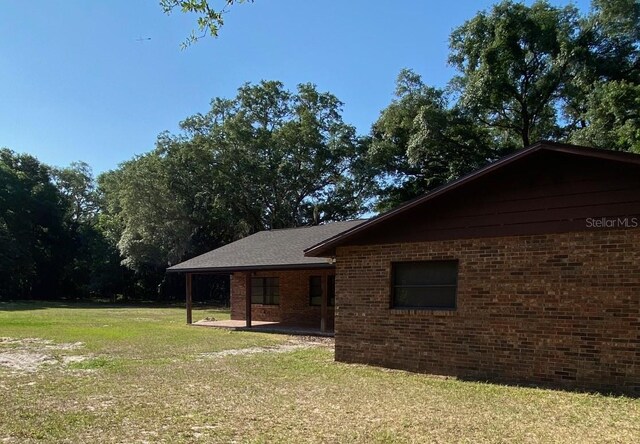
[[612, 117], [149, 224], [77, 185], [525, 73], [31, 227], [603, 99], [280, 159], [269, 158], [515, 62], [52, 244], [209, 20], [544, 72], [613, 31], [420, 142]]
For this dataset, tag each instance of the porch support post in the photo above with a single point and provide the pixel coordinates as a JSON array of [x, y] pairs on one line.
[[189, 298], [324, 303], [247, 292]]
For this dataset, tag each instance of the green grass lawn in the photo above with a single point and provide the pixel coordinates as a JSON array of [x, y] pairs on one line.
[[142, 375]]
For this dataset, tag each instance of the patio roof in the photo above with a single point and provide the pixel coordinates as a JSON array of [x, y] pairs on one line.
[[273, 249]]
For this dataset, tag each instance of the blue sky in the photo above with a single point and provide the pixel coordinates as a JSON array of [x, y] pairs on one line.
[[76, 85]]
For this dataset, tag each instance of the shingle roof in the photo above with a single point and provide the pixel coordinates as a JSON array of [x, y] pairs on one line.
[[268, 250]]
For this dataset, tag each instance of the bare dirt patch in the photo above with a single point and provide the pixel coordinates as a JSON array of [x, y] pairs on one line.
[[295, 343], [315, 341], [39, 343], [25, 361], [26, 355]]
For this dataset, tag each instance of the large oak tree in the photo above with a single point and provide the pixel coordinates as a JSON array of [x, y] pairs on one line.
[[268, 158]]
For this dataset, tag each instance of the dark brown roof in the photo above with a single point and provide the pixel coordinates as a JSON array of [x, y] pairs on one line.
[[274, 249], [327, 246]]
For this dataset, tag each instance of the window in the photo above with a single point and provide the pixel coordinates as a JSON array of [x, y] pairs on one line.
[[331, 291], [425, 285], [315, 290], [265, 291]]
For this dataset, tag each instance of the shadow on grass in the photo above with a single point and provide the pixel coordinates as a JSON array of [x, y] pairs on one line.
[[629, 389], [26, 305], [606, 390]]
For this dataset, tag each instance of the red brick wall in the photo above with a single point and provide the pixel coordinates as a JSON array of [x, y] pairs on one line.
[[294, 305], [556, 309]]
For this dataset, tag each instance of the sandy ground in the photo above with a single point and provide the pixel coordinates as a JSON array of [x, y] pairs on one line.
[[295, 343], [30, 354]]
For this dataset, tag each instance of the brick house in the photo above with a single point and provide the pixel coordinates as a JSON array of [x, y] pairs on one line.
[[526, 271], [271, 278]]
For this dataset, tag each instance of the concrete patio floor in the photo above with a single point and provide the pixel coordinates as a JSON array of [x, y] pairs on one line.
[[265, 327]]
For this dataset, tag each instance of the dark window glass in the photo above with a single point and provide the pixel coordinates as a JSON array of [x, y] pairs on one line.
[[332, 291], [429, 284], [315, 290], [257, 290], [265, 291]]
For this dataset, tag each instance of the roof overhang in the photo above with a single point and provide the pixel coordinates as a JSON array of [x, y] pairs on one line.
[[229, 270], [327, 247]]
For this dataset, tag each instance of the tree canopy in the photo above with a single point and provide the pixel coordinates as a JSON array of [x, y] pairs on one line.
[[268, 158], [524, 73], [421, 142], [545, 72], [31, 226]]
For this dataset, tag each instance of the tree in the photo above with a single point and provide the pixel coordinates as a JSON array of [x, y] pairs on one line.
[[420, 142], [603, 102], [77, 185], [544, 72], [52, 244], [142, 215], [279, 158], [210, 19], [612, 31], [93, 265], [35, 241], [611, 117], [515, 63], [268, 158]]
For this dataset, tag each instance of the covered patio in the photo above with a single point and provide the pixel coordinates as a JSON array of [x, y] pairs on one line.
[[274, 287]]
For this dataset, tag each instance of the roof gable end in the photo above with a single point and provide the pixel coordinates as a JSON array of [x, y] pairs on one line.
[[327, 247]]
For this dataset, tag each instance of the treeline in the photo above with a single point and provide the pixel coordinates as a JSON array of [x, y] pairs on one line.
[[53, 241], [273, 158]]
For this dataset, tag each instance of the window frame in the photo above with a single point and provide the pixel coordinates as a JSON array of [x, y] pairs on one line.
[[393, 286], [264, 290], [327, 278]]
